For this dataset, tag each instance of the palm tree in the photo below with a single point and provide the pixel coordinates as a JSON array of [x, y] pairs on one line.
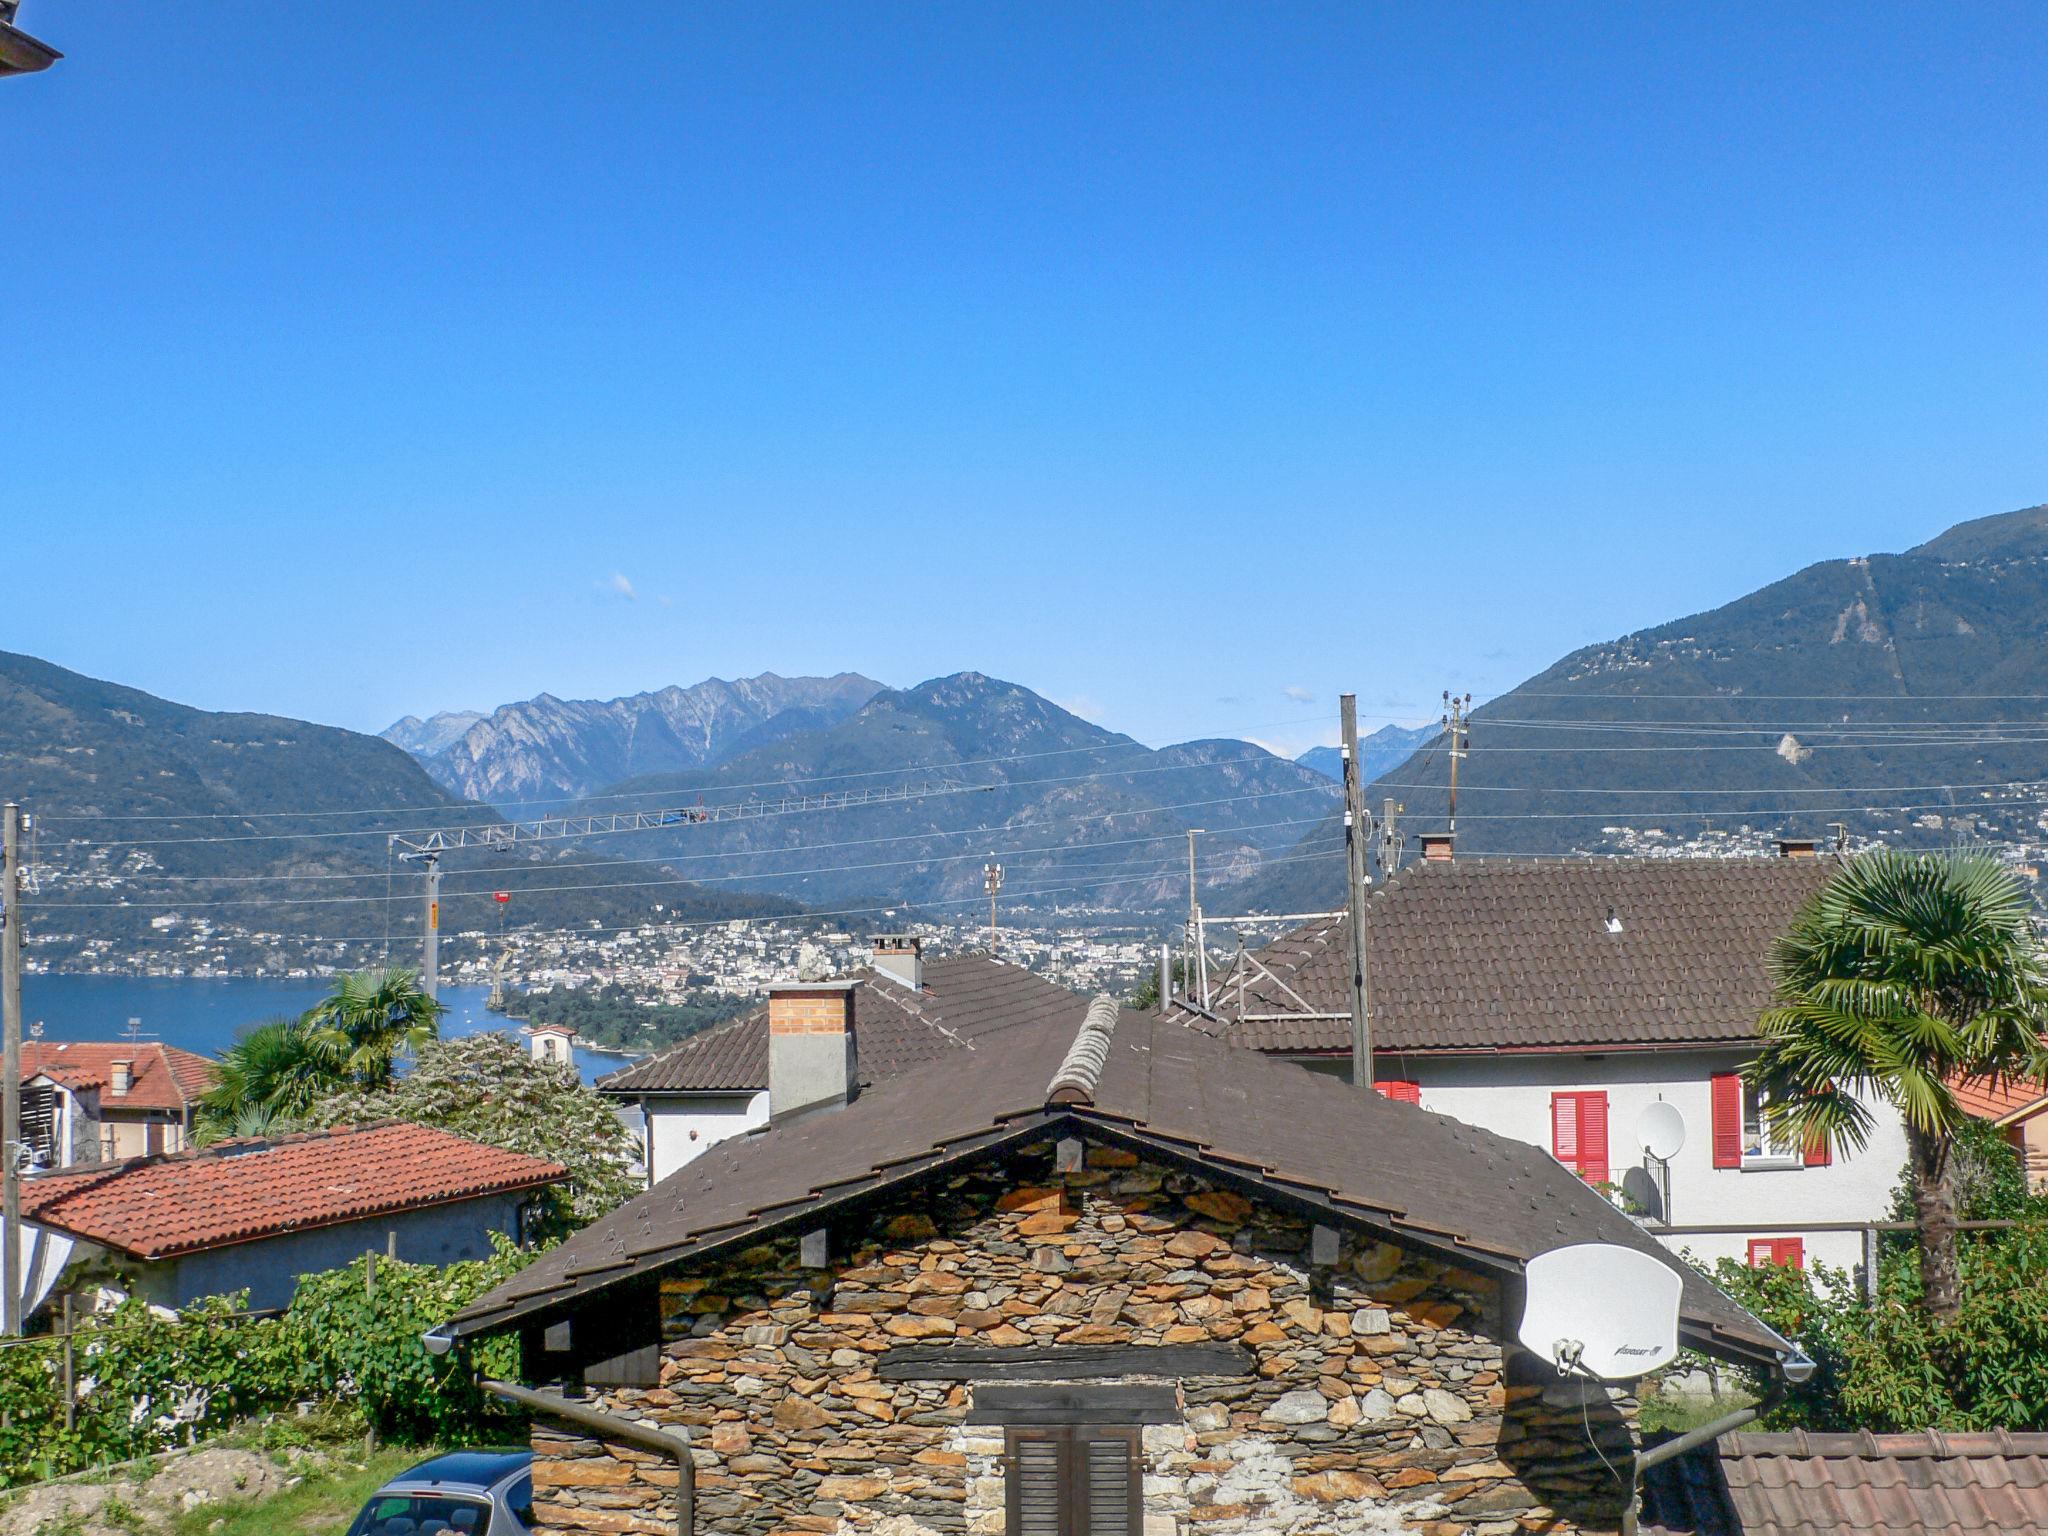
[[371, 1017], [1907, 973], [275, 1071]]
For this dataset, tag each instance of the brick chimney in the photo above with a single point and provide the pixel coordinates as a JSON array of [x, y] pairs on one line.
[[1798, 847], [900, 957], [123, 1075], [1436, 847], [813, 1061]]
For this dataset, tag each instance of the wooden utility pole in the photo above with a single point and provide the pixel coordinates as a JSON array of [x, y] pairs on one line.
[[992, 878], [1357, 829], [1455, 711], [10, 1065], [1197, 981]]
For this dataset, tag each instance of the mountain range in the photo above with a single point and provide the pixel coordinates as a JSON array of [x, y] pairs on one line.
[[1386, 748], [550, 749], [1894, 695]]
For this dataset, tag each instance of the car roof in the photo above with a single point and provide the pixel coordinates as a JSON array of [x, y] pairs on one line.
[[478, 1469]]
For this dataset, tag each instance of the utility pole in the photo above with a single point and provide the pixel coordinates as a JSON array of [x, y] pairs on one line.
[[1455, 711], [10, 1065], [1198, 969], [992, 879], [1390, 837], [1357, 828], [430, 971]]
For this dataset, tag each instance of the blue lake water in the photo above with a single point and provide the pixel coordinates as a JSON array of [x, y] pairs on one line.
[[203, 1013]]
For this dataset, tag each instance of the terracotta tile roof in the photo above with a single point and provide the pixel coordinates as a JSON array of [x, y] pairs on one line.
[[964, 998], [1926, 1484], [164, 1076], [1997, 1102], [237, 1191], [1152, 1084], [1521, 955]]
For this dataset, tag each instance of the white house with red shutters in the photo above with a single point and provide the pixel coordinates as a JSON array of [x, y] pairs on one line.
[[1556, 1000]]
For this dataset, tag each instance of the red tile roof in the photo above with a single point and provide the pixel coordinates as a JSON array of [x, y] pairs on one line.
[[1996, 1102], [1802, 1484], [164, 1076], [237, 1191]]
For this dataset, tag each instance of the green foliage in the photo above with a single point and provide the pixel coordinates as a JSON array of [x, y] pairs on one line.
[[1145, 996], [1889, 1367], [487, 1088], [608, 1015], [272, 1072], [1987, 1175], [370, 1019], [146, 1382]]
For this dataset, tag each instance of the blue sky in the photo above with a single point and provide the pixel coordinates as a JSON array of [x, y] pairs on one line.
[[1187, 363]]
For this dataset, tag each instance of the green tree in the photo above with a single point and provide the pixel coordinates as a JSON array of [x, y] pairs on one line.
[[371, 1018], [486, 1087], [1907, 972], [272, 1072]]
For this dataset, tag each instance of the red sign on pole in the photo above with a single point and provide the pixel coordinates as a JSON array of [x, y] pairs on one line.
[[501, 895]]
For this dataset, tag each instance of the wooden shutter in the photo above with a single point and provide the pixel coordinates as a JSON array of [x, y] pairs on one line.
[[1727, 1093], [1402, 1092], [1074, 1480], [1036, 1492], [1593, 1137], [1564, 1128], [1818, 1155], [1789, 1250], [1761, 1252]]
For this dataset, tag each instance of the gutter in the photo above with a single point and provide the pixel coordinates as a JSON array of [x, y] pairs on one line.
[[612, 1426], [1793, 1369]]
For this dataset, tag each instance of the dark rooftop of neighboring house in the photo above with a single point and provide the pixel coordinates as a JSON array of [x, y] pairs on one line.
[[963, 998], [159, 1206], [1536, 954], [1139, 1081], [1800, 1484], [163, 1077]]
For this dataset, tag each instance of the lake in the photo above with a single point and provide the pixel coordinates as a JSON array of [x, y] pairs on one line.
[[202, 1013]]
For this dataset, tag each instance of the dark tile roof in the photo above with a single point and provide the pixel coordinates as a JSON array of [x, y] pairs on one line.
[[162, 1205], [1799, 1484], [964, 997], [1152, 1084], [1517, 955]]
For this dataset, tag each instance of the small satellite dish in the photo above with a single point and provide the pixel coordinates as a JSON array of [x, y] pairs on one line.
[[1660, 1130], [1597, 1309]]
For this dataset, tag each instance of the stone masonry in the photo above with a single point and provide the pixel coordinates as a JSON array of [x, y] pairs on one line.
[[1383, 1398]]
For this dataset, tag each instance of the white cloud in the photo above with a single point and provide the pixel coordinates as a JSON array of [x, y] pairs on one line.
[[1298, 694], [1089, 709], [622, 586]]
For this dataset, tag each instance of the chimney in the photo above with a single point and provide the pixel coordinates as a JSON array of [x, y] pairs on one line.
[[1798, 847], [123, 1078], [900, 957], [812, 1058], [1436, 847]]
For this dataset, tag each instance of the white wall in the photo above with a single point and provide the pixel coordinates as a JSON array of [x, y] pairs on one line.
[[1510, 1095], [682, 1127]]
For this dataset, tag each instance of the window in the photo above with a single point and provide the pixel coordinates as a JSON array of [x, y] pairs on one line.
[[1403, 1092], [1743, 1135], [1578, 1133], [1073, 1480], [410, 1514], [1777, 1250]]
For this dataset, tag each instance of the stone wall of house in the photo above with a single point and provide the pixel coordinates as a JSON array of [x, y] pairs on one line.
[[1383, 1399]]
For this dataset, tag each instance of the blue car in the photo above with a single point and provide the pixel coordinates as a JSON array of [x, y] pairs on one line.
[[465, 1493]]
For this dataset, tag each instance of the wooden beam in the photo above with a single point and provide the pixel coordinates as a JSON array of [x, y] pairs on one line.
[[1120, 1403], [1061, 1362]]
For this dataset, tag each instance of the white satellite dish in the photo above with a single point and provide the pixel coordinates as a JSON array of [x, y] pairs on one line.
[[1660, 1130], [1596, 1309]]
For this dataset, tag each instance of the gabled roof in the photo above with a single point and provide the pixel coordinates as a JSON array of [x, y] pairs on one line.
[[161, 1206], [164, 1077], [1141, 1081], [964, 997], [1535, 954], [2000, 1103], [1800, 1484]]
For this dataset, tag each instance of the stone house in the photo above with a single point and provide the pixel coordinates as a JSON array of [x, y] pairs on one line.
[[1102, 1275], [1554, 1001]]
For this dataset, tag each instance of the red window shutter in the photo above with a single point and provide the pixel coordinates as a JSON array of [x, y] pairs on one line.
[[1762, 1251], [1790, 1250], [1727, 1089], [1564, 1128], [1818, 1155], [1593, 1137], [1402, 1092]]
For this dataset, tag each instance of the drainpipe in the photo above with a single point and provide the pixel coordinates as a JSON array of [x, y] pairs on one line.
[[612, 1426], [1793, 1369]]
